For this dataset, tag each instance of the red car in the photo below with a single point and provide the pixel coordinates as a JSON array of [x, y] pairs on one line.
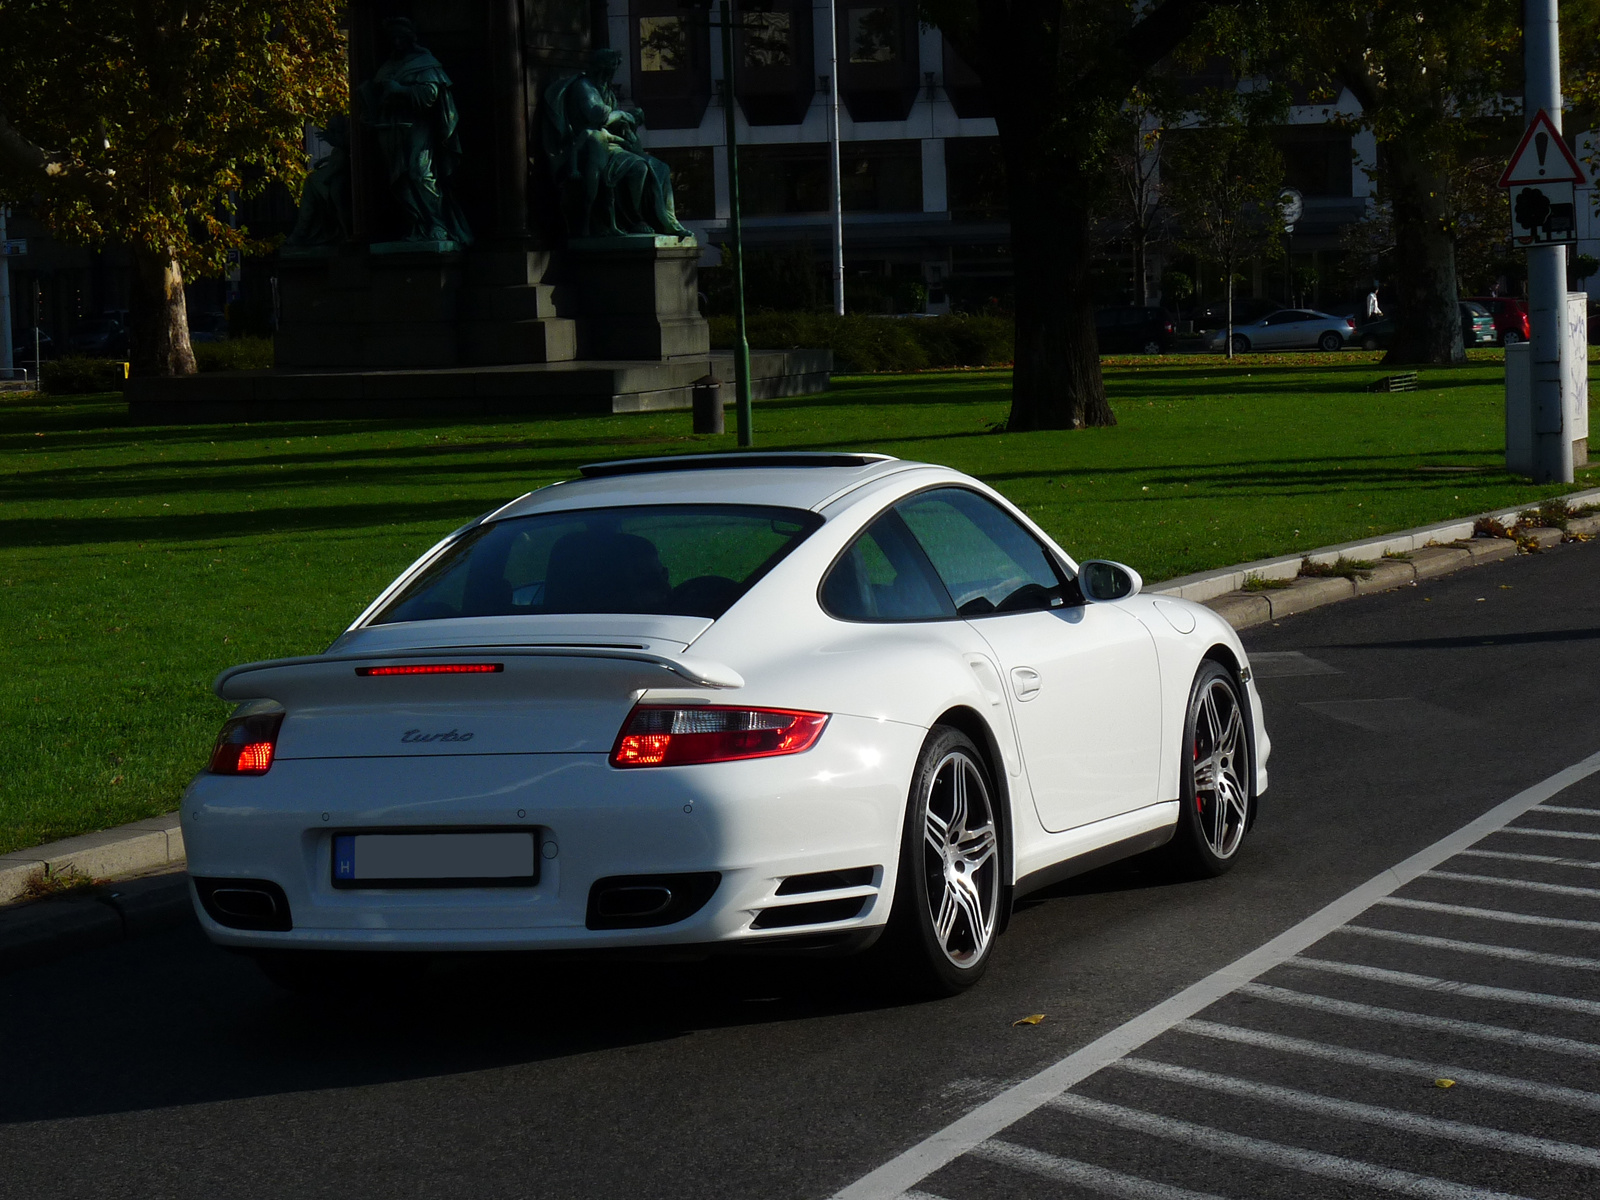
[[1510, 317]]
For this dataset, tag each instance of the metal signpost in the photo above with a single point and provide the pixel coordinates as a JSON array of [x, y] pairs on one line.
[[833, 151], [1541, 177]]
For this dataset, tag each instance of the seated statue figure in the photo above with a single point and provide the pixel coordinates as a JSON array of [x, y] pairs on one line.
[[609, 185]]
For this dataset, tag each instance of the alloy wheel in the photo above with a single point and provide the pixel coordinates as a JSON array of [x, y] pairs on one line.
[[1221, 756], [961, 854]]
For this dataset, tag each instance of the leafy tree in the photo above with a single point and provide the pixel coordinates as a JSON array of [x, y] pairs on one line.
[[146, 124], [1135, 161], [1057, 74], [1223, 179]]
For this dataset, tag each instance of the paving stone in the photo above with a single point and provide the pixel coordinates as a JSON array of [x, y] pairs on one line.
[[1388, 574], [1242, 609], [1307, 594]]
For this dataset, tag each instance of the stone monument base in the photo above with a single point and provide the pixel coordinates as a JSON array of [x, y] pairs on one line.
[[524, 389], [637, 297]]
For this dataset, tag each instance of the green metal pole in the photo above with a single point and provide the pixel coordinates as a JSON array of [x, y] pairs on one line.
[[741, 344]]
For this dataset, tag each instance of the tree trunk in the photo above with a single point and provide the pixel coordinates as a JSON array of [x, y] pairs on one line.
[[1141, 265], [159, 319], [1423, 292], [1056, 383]]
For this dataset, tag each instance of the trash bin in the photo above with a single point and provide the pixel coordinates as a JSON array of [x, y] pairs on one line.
[[708, 416]]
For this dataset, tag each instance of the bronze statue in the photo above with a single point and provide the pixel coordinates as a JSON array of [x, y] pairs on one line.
[[609, 185], [324, 218], [410, 105]]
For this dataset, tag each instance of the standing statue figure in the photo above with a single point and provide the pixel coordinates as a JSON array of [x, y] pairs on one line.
[[409, 103], [324, 217], [609, 185]]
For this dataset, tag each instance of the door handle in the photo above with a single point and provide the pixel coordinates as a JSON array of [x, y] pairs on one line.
[[1025, 682]]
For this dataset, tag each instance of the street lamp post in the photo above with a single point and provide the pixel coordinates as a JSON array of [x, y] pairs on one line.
[[1547, 265], [837, 266], [741, 343]]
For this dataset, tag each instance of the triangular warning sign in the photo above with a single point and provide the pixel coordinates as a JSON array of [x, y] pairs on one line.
[[1542, 157]]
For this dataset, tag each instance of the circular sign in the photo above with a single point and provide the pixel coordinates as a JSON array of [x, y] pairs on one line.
[[1292, 204]]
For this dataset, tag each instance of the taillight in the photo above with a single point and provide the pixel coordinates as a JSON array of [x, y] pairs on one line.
[[1350, 321], [670, 737], [246, 745]]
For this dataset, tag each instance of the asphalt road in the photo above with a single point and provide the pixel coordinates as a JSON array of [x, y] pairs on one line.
[[163, 1067]]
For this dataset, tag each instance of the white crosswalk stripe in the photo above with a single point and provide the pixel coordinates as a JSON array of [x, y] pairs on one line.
[[1548, 859], [1295, 1158], [1528, 885], [1575, 812], [1569, 834], [1475, 991], [1488, 914], [1082, 1174], [1572, 961], [1370, 1114], [1367, 1059], [1413, 1020]]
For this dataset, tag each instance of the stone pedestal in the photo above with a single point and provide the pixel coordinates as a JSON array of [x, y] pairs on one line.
[[637, 297], [403, 308]]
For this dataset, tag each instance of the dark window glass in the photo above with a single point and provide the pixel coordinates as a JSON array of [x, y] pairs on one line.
[[884, 576], [975, 177], [874, 34], [988, 562], [663, 44], [767, 40], [879, 176], [776, 179], [688, 559]]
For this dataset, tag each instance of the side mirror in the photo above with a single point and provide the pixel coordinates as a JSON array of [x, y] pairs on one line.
[[1101, 581]]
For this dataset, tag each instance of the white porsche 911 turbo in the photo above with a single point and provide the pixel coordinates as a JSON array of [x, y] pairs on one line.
[[722, 701]]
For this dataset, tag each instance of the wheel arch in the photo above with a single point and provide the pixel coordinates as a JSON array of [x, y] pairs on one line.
[[970, 722]]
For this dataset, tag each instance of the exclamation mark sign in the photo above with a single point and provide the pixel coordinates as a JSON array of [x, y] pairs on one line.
[[1541, 147]]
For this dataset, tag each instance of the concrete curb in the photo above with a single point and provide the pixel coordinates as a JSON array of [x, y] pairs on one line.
[[45, 930], [136, 846], [1208, 585], [1431, 550]]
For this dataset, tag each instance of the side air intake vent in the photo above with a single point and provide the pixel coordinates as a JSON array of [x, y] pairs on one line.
[[826, 881], [817, 913]]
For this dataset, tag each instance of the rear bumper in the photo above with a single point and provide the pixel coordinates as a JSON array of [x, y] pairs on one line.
[[837, 807]]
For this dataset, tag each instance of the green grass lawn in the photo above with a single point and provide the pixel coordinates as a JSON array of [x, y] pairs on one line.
[[136, 562]]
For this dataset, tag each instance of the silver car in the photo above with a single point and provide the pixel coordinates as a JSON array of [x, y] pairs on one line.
[[1288, 329]]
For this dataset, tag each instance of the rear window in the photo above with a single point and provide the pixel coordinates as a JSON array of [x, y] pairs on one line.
[[688, 560]]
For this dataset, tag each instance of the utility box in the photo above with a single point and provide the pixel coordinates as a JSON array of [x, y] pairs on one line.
[[1574, 391]]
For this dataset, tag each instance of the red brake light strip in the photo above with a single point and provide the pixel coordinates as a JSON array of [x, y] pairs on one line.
[[435, 669]]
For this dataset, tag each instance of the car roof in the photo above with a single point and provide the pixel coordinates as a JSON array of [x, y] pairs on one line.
[[796, 480]]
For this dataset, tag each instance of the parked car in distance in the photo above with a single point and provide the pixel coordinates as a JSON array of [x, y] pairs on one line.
[[1288, 329], [1134, 330], [1477, 329], [1245, 310], [208, 327], [1510, 317], [22, 348], [105, 336]]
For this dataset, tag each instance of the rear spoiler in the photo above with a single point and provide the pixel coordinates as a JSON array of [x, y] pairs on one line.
[[234, 683]]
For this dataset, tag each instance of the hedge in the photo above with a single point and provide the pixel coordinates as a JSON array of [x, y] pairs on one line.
[[77, 375], [864, 344]]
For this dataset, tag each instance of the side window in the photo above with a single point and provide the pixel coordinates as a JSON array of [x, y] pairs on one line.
[[884, 576], [988, 562]]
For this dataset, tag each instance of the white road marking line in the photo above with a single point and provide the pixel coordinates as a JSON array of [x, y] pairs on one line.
[[922, 1196], [1527, 885], [1449, 987], [1554, 833], [1511, 952], [1400, 1016], [1573, 812], [1081, 1174], [1488, 914], [1371, 1114], [1527, 1088], [1312, 1162], [1549, 859], [914, 1164]]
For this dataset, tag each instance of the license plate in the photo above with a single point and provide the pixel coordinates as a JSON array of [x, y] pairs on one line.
[[435, 860]]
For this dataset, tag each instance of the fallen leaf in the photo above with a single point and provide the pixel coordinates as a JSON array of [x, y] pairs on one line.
[[1444, 1083], [1030, 1019]]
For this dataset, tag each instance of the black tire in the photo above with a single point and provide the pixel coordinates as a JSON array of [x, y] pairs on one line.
[[1330, 341], [1510, 337], [1213, 820], [328, 974], [931, 963], [1152, 347], [1241, 344], [1369, 342]]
